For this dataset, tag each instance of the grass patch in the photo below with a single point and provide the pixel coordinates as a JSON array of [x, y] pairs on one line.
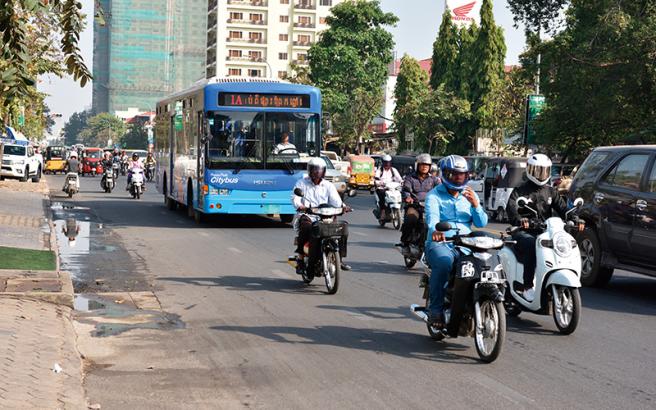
[[26, 259]]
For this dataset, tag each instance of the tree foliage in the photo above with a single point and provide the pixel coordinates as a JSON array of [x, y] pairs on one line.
[[74, 126], [101, 128], [600, 82], [350, 64], [411, 82], [444, 64], [537, 15], [136, 136]]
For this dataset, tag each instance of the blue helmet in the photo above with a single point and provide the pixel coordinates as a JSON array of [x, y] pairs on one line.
[[451, 164]]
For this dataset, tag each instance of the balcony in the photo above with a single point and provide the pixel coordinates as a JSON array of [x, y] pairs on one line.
[[241, 21], [246, 59], [305, 6], [254, 3], [302, 44], [246, 40], [300, 62], [304, 25]]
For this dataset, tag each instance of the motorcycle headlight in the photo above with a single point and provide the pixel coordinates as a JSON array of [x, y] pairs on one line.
[[562, 245]]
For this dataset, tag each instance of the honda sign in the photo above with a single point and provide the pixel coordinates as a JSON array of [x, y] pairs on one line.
[[465, 12]]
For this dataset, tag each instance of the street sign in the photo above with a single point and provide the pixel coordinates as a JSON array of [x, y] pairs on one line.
[[534, 106], [178, 116]]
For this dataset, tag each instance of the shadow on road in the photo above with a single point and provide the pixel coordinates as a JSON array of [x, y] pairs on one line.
[[401, 312], [386, 268], [401, 344], [369, 244], [624, 294], [248, 283], [529, 327]]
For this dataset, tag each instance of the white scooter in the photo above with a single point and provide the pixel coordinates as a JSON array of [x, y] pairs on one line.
[[107, 183], [557, 273], [72, 184], [136, 183], [392, 205]]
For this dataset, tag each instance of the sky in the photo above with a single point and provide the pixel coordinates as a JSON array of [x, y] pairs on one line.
[[419, 21]]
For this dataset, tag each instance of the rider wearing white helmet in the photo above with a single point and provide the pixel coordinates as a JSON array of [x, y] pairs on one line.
[[316, 191], [384, 175], [546, 201]]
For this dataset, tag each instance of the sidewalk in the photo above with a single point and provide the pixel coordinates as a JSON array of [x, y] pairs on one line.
[[39, 362]]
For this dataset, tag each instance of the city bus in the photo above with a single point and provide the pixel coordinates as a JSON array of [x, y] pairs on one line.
[[217, 146]]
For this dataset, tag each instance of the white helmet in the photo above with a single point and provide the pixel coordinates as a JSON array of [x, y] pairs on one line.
[[316, 163], [387, 158], [538, 169], [73, 154], [423, 159]]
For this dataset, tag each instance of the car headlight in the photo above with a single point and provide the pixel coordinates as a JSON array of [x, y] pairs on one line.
[[19, 162], [562, 245]]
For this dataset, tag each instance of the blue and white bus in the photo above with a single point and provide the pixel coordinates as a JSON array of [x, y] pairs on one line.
[[217, 145]]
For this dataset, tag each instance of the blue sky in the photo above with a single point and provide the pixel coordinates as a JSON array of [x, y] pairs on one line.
[[419, 21]]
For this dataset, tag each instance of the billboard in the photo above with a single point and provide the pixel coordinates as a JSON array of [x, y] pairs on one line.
[[464, 12], [534, 106]]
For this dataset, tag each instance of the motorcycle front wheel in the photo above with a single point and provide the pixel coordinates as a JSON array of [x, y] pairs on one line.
[[332, 272], [409, 262], [490, 333], [396, 219], [566, 308], [435, 333]]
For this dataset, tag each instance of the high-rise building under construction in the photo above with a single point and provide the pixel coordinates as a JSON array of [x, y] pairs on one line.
[[146, 50]]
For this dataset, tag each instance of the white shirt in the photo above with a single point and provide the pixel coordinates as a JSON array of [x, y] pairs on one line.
[[291, 148], [391, 175], [315, 195]]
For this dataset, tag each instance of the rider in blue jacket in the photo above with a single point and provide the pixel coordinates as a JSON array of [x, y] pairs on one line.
[[455, 202]]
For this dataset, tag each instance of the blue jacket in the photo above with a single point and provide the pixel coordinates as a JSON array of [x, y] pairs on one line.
[[442, 206]]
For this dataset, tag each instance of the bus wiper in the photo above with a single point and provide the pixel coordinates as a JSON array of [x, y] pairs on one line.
[[239, 167]]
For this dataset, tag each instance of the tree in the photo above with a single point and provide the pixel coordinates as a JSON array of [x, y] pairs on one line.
[[136, 137], [444, 68], [488, 53], [537, 15], [350, 64], [74, 126], [102, 128], [410, 83], [17, 21]]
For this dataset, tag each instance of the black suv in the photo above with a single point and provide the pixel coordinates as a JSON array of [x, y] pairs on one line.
[[618, 185]]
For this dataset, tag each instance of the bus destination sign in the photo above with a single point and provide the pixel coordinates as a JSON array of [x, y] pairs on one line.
[[264, 100]]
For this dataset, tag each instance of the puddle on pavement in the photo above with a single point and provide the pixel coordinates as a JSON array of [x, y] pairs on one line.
[[112, 318], [61, 206]]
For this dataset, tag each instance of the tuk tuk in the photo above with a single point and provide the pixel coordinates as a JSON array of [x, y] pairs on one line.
[[91, 161], [55, 160], [362, 173], [501, 176]]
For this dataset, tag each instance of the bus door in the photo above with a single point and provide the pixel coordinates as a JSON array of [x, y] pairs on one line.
[[201, 147], [171, 182]]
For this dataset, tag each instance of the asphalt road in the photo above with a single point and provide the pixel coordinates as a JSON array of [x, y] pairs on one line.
[[253, 335]]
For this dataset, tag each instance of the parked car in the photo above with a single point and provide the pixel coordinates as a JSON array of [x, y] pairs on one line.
[[618, 185], [20, 161], [339, 164], [561, 176]]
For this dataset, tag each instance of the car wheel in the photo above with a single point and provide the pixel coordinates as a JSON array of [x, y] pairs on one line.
[[26, 174], [592, 272], [37, 177]]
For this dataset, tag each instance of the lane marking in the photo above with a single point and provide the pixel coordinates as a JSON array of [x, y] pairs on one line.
[[205, 234], [235, 250], [359, 233]]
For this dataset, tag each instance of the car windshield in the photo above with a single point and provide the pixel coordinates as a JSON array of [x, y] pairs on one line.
[[260, 140], [14, 150], [329, 163], [92, 154]]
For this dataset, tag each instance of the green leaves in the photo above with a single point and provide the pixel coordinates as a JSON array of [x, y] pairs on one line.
[[101, 128]]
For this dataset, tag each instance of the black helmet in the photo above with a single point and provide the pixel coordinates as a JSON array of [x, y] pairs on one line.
[[135, 155]]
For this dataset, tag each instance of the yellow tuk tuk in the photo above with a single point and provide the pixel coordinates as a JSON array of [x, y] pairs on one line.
[[55, 160], [362, 173]]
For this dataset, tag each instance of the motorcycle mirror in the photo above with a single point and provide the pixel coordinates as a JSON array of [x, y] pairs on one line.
[[443, 226], [298, 192], [352, 193], [522, 202], [578, 202]]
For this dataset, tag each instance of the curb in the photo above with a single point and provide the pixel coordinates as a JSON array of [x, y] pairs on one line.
[[35, 285]]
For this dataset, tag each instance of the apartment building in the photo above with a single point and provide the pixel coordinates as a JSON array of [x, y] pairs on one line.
[[262, 38]]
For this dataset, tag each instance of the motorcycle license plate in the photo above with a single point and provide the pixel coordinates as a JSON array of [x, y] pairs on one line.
[[362, 179], [271, 209]]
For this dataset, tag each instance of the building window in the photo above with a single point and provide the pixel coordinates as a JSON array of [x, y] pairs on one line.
[[234, 72], [304, 39], [326, 2], [255, 36], [283, 74], [283, 37], [284, 19], [282, 56], [304, 20], [236, 16], [236, 34], [256, 17], [284, 1], [234, 53], [301, 57], [255, 55], [322, 20], [253, 73]]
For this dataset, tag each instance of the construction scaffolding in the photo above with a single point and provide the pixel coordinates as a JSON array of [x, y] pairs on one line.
[[146, 50]]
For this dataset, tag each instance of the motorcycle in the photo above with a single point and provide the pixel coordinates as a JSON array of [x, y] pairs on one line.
[[136, 183], [392, 206], [71, 185], [328, 231], [150, 172], [124, 166], [411, 257], [115, 169], [107, 183], [473, 302], [557, 272]]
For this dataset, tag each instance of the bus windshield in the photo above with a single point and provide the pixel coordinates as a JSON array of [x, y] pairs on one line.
[[260, 140]]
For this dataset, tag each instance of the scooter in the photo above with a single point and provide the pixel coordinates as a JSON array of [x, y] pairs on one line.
[[71, 185], [136, 183], [116, 166], [473, 301], [124, 165], [328, 231], [150, 172], [557, 272], [411, 257], [107, 183], [392, 205]]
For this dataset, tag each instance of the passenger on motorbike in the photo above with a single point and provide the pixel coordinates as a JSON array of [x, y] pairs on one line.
[[72, 165], [107, 165], [415, 188], [132, 164], [385, 174], [455, 202], [546, 201], [316, 191], [150, 160]]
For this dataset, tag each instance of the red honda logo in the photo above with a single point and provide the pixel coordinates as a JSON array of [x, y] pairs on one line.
[[462, 11]]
